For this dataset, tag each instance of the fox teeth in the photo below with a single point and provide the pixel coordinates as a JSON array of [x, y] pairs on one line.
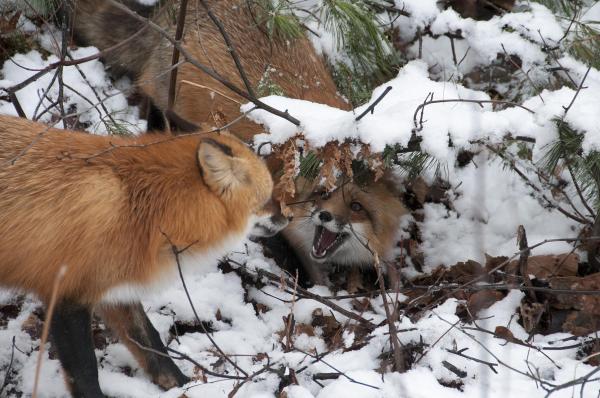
[[318, 250]]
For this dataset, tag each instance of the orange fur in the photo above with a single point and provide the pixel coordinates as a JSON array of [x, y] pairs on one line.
[[106, 217]]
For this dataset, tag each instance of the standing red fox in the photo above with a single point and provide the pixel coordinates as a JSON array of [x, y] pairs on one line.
[[109, 209]]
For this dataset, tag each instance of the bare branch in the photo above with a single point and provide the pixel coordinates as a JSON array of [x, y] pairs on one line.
[[371, 107], [175, 58], [230, 48], [478, 102]]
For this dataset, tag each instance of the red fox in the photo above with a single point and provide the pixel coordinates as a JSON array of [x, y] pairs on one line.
[[344, 227], [110, 209], [291, 65]]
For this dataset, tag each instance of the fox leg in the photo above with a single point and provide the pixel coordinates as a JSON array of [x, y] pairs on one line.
[[132, 325], [71, 333]]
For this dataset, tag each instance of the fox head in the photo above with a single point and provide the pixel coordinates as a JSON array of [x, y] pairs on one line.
[[346, 226], [233, 172]]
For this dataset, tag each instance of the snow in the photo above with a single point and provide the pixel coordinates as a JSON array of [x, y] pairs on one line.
[[592, 15], [489, 202], [485, 219], [394, 117], [422, 12], [82, 83]]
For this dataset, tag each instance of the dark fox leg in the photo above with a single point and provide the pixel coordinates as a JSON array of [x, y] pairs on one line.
[[71, 333], [130, 322]]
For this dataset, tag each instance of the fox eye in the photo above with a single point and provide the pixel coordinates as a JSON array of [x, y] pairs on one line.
[[325, 195], [356, 206]]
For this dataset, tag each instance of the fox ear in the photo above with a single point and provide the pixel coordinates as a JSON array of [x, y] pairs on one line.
[[220, 169]]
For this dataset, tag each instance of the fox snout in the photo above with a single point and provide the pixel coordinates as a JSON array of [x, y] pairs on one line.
[[326, 218], [331, 232]]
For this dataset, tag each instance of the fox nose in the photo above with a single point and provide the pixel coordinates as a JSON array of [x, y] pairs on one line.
[[325, 216]]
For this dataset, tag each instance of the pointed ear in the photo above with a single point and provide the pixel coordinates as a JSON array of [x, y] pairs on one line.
[[220, 169]]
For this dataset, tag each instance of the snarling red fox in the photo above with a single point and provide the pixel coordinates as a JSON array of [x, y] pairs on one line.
[[293, 66], [345, 227], [111, 209]]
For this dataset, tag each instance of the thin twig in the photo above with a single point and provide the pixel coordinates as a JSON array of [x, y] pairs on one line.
[[460, 353], [320, 359], [371, 107], [46, 329], [36, 116], [397, 352], [503, 286], [59, 71], [184, 357], [479, 102], [520, 67], [230, 48], [214, 90], [579, 88], [581, 380], [13, 89], [176, 253], [100, 101], [391, 316], [512, 163]]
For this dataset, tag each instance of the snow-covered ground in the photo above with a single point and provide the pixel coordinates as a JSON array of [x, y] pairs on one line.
[[489, 203]]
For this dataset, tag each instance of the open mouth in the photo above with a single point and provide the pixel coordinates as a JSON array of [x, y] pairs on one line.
[[326, 242]]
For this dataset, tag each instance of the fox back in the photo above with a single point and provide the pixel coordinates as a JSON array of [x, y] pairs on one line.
[[111, 208], [291, 65]]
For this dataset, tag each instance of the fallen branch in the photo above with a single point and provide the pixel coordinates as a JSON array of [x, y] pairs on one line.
[[182, 356], [460, 373]]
